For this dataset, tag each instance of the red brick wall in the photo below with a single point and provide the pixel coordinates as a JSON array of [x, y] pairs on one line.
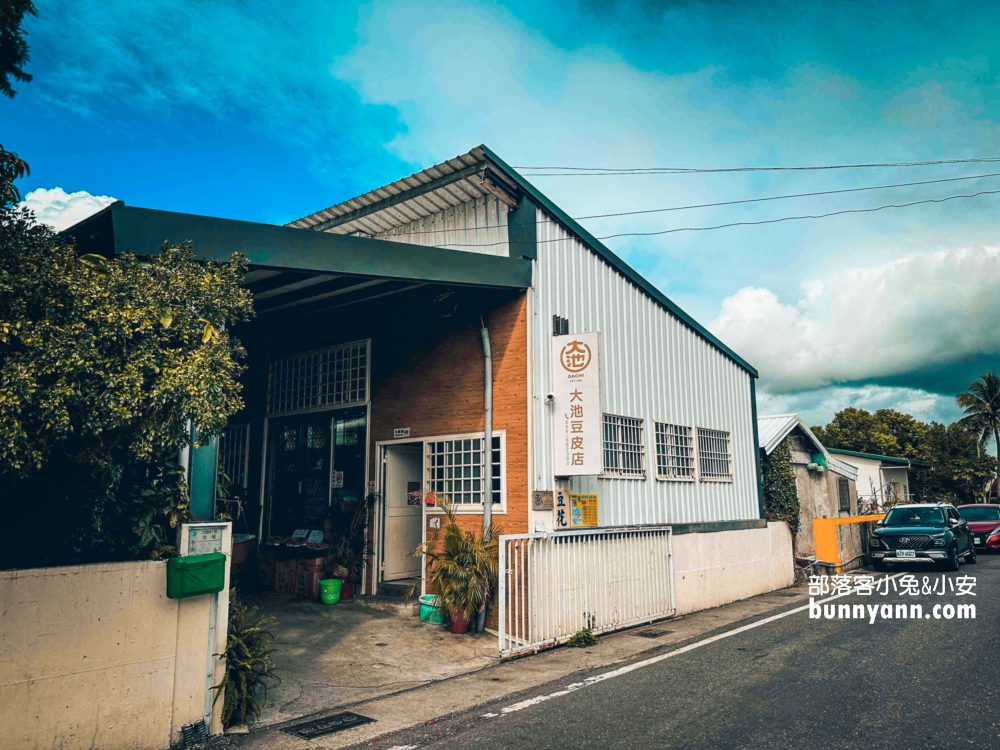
[[441, 393]]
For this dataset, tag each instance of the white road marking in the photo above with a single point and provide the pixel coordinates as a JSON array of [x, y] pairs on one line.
[[657, 659]]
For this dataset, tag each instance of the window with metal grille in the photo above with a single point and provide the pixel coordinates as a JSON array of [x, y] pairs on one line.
[[844, 489], [674, 451], [714, 457], [455, 469], [234, 454], [317, 380], [624, 451]]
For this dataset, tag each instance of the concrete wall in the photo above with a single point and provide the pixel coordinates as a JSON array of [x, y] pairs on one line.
[[819, 497], [717, 568], [97, 656]]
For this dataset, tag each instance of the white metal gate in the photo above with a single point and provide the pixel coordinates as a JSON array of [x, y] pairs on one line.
[[553, 585]]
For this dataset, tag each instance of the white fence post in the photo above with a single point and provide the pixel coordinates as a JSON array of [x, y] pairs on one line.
[[553, 585]]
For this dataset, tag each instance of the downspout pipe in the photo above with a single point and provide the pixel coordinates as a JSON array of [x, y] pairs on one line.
[[488, 428], [487, 444]]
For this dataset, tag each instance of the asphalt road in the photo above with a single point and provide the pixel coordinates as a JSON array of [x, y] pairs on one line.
[[792, 683]]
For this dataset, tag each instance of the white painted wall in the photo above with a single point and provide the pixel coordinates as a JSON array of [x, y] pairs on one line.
[[714, 569], [479, 226], [653, 367], [97, 656], [871, 473]]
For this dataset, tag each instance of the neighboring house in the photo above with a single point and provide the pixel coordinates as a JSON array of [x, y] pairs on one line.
[[826, 486], [366, 379], [882, 480]]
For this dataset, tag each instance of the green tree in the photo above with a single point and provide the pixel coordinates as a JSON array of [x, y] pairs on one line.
[[887, 432], [104, 364], [13, 45], [959, 473], [11, 168], [981, 403]]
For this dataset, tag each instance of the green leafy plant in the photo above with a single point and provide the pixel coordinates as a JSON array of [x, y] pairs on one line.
[[582, 638], [106, 364], [464, 565], [781, 498], [249, 666]]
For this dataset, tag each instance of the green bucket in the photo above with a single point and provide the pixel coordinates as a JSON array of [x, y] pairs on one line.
[[430, 609], [329, 590]]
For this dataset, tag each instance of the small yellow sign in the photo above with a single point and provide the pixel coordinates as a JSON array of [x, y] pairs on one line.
[[584, 511]]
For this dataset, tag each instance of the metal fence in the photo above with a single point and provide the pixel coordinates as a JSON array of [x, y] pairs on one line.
[[553, 585]]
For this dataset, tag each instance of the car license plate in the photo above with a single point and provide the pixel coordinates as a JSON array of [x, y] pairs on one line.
[[905, 553], [977, 540]]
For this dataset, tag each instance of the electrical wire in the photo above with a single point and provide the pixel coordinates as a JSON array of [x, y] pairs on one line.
[[748, 223], [605, 171], [723, 203]]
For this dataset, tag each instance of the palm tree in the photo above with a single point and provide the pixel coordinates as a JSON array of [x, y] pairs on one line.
[[981, 402]]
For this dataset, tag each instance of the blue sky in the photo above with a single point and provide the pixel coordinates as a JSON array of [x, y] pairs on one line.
[[268, 111]]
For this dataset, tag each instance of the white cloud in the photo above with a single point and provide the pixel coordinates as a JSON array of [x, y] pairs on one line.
[[61, 210], [870, 322], [818, 406]]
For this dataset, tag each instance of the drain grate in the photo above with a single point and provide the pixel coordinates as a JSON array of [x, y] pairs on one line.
[[337, 723], [652, 632]]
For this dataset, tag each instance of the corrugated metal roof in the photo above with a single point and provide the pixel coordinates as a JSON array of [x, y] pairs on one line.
[[467, 170], [465, 178], [774, 428]]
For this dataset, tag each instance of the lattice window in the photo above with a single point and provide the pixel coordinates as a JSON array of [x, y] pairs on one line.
[[455, 469], [714, 456], [844, 489], [624, 451], [674, 451], [234, 454], [318, 380]]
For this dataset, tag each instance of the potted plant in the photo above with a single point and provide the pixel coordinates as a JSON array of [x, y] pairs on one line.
[[464, 567]]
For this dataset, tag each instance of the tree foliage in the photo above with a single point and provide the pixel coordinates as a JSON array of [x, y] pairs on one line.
[[781, 498], [981, 403], [13, 45], [104, 363], [887, 432], [959, 470]]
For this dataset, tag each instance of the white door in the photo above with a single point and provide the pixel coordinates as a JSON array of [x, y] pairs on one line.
[[404, 512]]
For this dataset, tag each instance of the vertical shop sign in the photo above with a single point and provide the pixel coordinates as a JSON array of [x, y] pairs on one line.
[[576, 405]]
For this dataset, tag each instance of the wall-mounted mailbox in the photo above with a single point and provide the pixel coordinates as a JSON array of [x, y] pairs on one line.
[[195, 575]]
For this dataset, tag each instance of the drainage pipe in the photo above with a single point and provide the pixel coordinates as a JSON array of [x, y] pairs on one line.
[[488, 428]]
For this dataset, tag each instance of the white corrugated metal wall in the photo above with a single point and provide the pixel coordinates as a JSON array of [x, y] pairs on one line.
[[653, 367], [449, 228]]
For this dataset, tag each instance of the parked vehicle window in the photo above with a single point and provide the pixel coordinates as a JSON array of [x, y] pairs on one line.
[[980, 514], [624, 450], [674, 451], [914, 517], [714, 455]]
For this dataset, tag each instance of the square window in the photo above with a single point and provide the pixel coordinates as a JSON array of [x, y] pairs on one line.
[[624, 451]]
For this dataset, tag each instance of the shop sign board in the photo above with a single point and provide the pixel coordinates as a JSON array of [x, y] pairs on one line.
[[401, 432], [576, 405], [574, 511]]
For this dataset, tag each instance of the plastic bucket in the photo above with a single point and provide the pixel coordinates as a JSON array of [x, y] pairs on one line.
[[329, 590], [430, 609]]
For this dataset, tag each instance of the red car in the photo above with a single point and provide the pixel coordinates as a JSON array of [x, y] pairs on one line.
[[983, 520]]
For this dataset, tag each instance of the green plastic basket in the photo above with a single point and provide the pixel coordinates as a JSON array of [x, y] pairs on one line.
[[196, 575]]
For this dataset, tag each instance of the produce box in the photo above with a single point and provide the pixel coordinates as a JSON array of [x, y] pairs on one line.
[[265, 571], [284, 576], [307, 578]]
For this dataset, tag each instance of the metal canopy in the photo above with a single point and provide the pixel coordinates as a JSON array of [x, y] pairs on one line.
[[292, 267]]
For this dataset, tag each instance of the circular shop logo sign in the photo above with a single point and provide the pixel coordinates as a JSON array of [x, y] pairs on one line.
[[575, 356]]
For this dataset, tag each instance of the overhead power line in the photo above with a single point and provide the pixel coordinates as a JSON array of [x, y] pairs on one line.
[[551, 171], [749, 223], [725, 203]]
